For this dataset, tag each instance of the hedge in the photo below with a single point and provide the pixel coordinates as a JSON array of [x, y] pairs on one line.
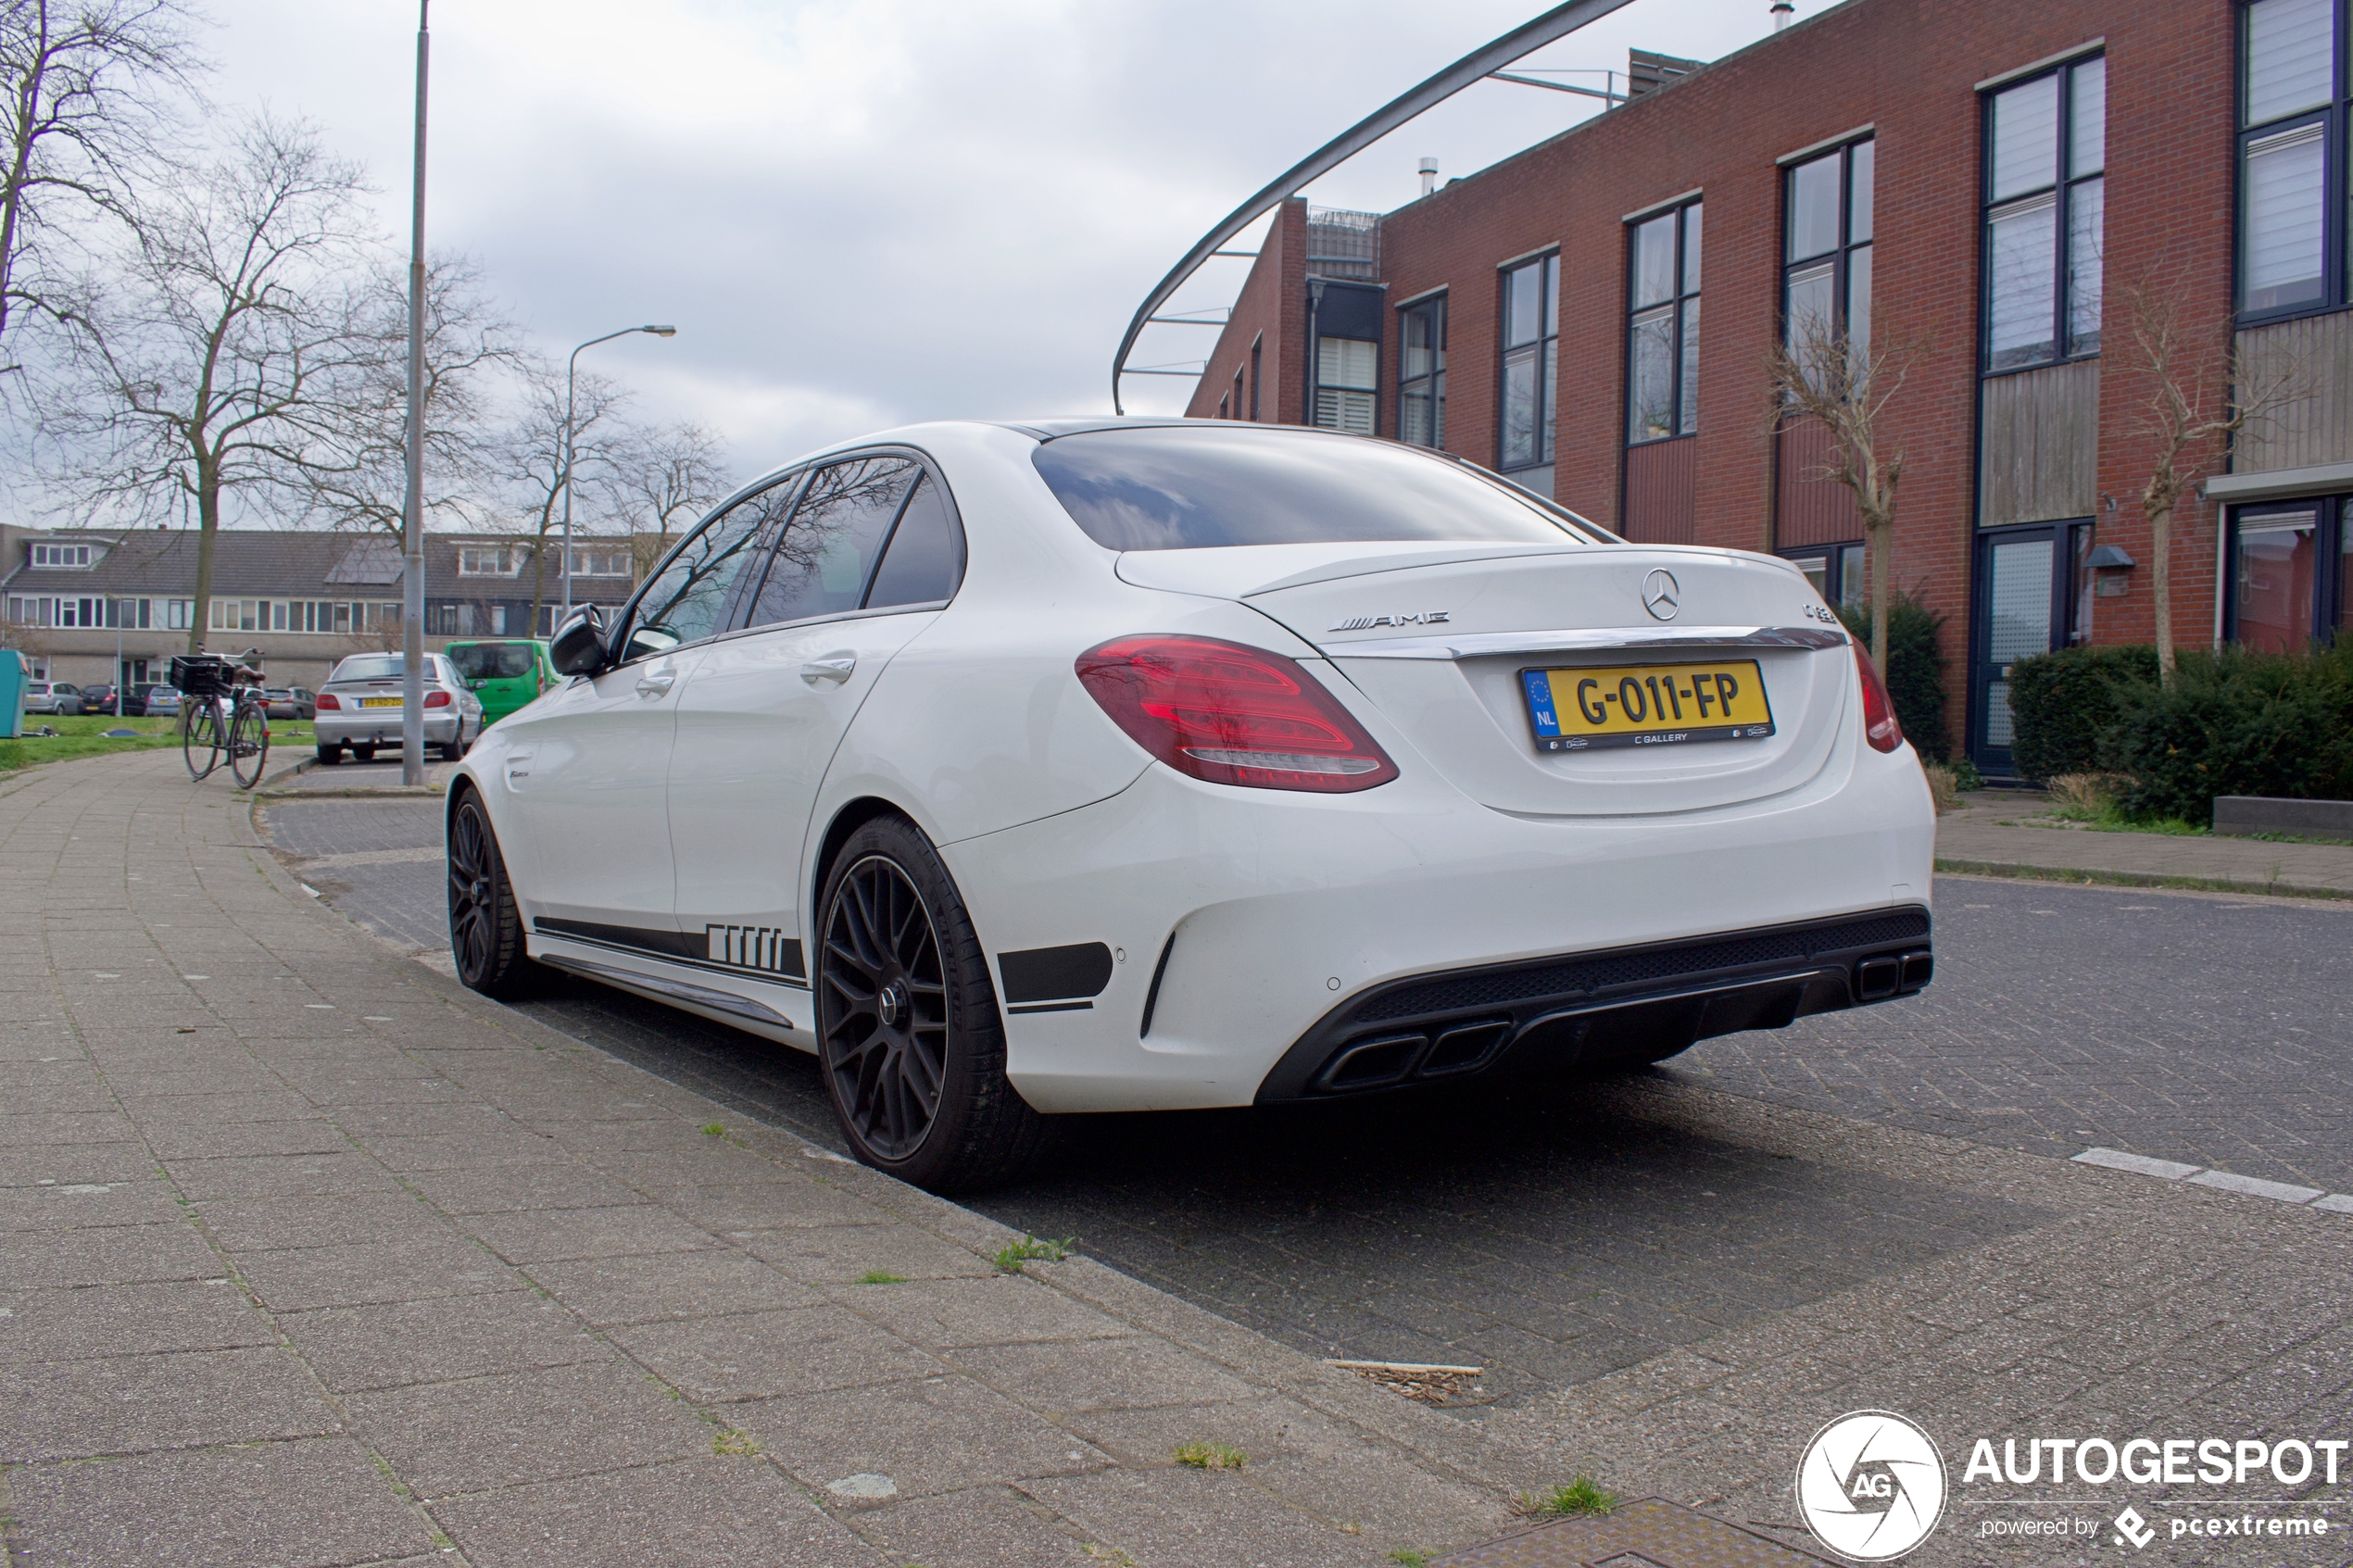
[[1915, 669], [2063, 704], [2236, 722]]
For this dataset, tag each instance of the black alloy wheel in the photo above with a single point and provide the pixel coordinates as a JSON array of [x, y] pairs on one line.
[[912, 1049], [486, 928]]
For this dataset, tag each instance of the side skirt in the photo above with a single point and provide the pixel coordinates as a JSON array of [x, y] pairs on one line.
[[781, 1012]]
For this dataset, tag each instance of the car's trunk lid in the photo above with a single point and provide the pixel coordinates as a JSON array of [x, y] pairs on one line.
[[1437, 636]]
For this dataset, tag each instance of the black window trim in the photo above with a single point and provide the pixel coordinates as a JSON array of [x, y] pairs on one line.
[[2063, 191], [1841, 254], [1427, 299], [2335, 117], [2332, 519], [1677, 297], [1546, 417]]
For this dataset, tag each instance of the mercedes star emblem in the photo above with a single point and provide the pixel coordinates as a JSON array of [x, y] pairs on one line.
[[1661, 596]]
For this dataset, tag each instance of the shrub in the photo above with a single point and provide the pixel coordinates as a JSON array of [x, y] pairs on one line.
[[1915, 669], [2063, 704], [2237, 723]]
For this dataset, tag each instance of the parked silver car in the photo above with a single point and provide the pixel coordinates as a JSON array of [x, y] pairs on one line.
[[291, 702], [60, 698], [360, 708]]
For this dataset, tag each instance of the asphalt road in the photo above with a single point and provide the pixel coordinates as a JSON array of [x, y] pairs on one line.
[[1553, 1237]]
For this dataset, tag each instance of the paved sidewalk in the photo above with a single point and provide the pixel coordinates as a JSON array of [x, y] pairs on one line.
[[310, 1257], [1988, 834]]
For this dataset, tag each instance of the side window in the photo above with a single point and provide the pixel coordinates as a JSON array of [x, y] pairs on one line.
[[690, 599], [925, 560], [822, 559]]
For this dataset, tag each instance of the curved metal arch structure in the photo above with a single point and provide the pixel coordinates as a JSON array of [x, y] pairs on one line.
[[1558, 22]]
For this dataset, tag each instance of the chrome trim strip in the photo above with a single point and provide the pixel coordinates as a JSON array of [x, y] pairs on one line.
[[1480, 645], [701, 995]]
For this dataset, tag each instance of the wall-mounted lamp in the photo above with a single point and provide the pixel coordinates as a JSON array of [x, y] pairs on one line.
[[2110, 567]]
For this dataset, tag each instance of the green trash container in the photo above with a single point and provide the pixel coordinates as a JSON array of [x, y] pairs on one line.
[[13, 675]]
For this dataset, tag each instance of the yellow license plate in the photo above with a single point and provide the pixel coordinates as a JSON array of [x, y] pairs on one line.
[[379, 702], [1646, 705]]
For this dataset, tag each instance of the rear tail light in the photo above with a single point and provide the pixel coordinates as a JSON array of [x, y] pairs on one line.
[[1230, 714], [1879, 714], [327, 703], [436, 699]]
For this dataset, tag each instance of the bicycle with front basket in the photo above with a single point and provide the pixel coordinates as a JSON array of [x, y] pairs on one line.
[[222, 713]]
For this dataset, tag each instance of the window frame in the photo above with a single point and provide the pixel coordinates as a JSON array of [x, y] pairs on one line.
[[2332, 521], [2063, 189], [2336, 118], [1841, 256], [1433, 304], [1547, 262], [1679, 299]]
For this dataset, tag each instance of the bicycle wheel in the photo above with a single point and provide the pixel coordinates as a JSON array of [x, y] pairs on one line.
[[201, 737], [248, 744]]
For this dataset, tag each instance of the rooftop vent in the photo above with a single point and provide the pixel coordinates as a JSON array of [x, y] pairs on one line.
[[1646, 72]]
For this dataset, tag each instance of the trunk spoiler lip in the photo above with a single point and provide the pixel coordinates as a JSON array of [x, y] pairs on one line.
[[1478, 645]]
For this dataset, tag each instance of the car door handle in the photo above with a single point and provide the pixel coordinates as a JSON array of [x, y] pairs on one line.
[[833, 666], [653, 682]]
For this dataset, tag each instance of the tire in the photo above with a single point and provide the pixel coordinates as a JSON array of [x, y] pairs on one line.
[[363, 754], [201, 741], [906, 1014], [330, 755], [458, 745], [248, 744], [486, 928]]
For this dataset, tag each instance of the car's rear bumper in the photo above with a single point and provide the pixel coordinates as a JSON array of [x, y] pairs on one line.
[[380, 727], [1239, 924], [1597, 1010]]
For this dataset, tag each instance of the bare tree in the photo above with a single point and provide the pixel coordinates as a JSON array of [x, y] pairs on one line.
[[1820, 374], [80, 105], [358, 479], [2198, 399], [669, 477], [538, 460], [215, 362]]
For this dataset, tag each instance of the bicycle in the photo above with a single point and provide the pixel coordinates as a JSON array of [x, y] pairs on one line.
[[222, 711]]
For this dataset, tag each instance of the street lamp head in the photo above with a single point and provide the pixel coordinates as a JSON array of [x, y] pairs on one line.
[[661, 332]]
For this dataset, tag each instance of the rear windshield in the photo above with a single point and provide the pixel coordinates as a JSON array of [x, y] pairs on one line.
[[1189, 488], [376, 667], [492, 661]]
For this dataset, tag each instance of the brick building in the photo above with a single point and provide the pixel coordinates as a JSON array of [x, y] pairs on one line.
[[1987, 184], [72, 599]]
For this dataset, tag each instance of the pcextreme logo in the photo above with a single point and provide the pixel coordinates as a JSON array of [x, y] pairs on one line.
[[1871, 1486]]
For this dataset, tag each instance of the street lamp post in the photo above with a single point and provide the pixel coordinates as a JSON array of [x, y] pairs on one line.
[[571, 368]]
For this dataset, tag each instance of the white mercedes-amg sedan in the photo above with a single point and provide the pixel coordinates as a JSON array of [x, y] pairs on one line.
[[1089, 766]]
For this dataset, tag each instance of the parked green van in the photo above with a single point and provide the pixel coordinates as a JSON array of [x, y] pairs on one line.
[[505, 674]]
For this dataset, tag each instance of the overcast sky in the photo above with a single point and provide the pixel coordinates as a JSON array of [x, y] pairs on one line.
[[863, 212]]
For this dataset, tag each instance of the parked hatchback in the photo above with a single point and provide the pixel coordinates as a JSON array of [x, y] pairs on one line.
[[505, 675], [163, 702], [52, 696], [98, 698], [291, 702]]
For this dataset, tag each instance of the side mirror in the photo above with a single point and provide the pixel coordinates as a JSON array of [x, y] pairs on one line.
[[579, 645]]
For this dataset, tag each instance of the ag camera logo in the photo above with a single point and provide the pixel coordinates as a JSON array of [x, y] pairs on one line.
[[1871, 1486]]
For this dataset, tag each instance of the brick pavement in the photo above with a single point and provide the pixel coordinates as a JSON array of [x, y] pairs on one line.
[[362, 1267]]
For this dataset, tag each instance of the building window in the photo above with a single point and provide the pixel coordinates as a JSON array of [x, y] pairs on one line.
[[1256, 345], [1347, 384], [1662, 329], [1237, 392], [1839, 572], [2291, 574], [1421, 373], [1225, 408], [1531, 333], [1826, 260], [2293, 91], [2045, 149], [178, 614], [61, 555], [490, 560], [600, 561]]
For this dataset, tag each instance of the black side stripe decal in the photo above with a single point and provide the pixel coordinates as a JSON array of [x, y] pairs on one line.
[[1045, 974], [669, 944]]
